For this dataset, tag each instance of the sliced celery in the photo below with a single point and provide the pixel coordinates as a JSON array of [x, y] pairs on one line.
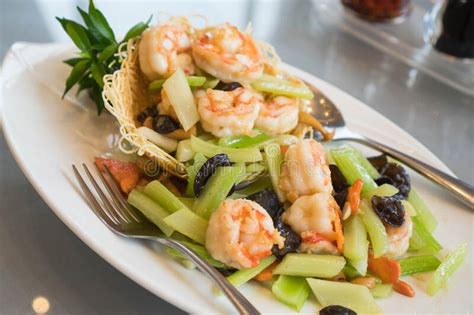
[[180, 258], [260, 184], [277, 86], [199, 160], [160, 194], [353, 296], [356, 244], [421, 239], [193, 81], [274, 159], [181, 98], [423, 213], [447, 267], [184, 152], [351, 168], [210, 83], [244, 141], [188, 223], [362, 160], [375, 228], [244, 275], [308, 265], [384, 190], [416, 264], [216, 190], [156, 85], [408, 208], [235, 155], [150, 209], [293, 291], [350, 271], [187, 201], [255, 168], [361, 264], [201, 251], [381, 290]]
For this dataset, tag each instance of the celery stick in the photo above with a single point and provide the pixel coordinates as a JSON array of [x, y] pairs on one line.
[[277, 86], [447, 267], [199, 160], [308, 265], [375, 228], [362, 160], [244, 275], [292, 291], [193, 81], [244, 141], [181, 98], [356, 244], [408, 208], [423, 213], [156, 85], [381, 290], [210, 83], [187, 201], [184, 152], [150, 209], [350, 271], [160, 194], [416, 264], [235, 155], [353, 296], [352, 169], [216, 190], [200, 250], [254, 168], [260, 184], [361, 264], [188, 223], [274, 159], [384, 190], [180, 258], [422, 239]]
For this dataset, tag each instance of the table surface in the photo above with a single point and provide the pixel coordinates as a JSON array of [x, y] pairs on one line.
[[40, 257]]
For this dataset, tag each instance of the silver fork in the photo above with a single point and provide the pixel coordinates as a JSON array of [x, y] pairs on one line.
[[330, 116], [122, 219]]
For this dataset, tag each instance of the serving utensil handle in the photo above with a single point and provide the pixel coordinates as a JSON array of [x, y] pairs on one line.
[[463, 191]]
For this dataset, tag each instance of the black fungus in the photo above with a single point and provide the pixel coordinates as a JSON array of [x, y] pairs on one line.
[[379, 162], [268, 199], [226, 271], [336, 310], [384, 180], [389, 209], [227, 86], [399, 177], [292, 239], [341, 197], [209, 167], [338, 180], [151, 111], [164, 124], [317, 135]]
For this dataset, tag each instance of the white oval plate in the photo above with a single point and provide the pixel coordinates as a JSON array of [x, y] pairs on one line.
[[47, 134]]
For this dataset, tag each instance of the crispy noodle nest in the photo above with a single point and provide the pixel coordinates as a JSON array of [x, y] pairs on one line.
[[125, 95]]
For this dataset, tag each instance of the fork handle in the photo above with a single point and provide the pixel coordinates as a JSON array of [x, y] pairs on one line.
[[458, 188], [238, 300]]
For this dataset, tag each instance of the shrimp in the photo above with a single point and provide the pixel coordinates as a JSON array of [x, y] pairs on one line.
[[314, 243], [227, 113], [399, 237], [240, 233], [305, 170], [165, 48], [278, 115], [228, 54]]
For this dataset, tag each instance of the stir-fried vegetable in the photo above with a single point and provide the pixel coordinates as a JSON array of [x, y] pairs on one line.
[[416, 264], [422, 240], [353, 296], [356, 244], [245, 141], [274, 158], [375, 229], [181, 98], [235, 155], [384, 190], [193, 81], [423, 213], [188, 223], [244, 275], [199, 160], [277, 86], [381, 290], [184, 151], [151, 210], [198, 249], [293, 291], [447, 267], [308, 265], [160, 194]]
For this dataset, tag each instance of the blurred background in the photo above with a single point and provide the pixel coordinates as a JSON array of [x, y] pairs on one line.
[[392, 67]]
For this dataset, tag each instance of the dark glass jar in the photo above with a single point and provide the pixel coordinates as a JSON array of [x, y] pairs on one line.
[[379, 10]]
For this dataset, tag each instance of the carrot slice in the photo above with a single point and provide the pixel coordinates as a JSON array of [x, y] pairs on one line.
[[404, 288], [338, 229], [266, 274], [353, 195], [125, 173], [388, 270]]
